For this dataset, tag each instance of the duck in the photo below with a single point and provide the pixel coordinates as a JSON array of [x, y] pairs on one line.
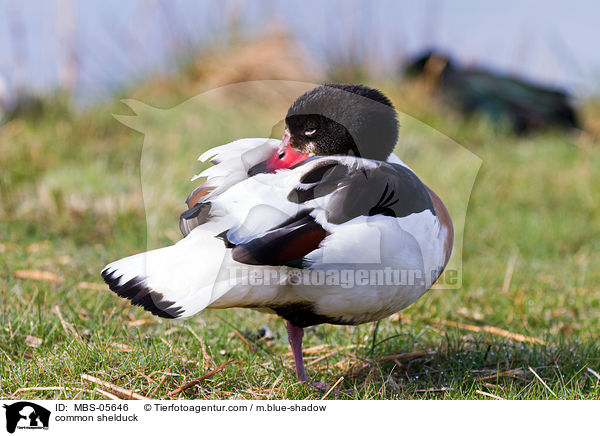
[[326, 225], [527, 106]]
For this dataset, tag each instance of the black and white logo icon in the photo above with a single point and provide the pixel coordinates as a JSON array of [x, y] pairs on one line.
[[26, 415]]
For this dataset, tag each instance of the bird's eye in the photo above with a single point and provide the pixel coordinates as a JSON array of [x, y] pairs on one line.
[[310, 132]]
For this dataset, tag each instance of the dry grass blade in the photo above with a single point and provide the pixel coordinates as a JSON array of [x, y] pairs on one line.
[[311, 350], [108, 395], [274, 385], [362, 359], [122, 347], [33, 341], [510, 269], [491, 329], [331, 389], [122, 393], [32, 274], [442, 389], [198, 380], [161, 381], [487, 394], [167, 343], [40, 389], [542, 381], [67, 327], [139, 322], [205, 354], [508, 373], [90, 286], [10, 361], [595, 374], [171, 331], [493, 386], [149, 379], [319, 359], [409, 355], [245, 341]]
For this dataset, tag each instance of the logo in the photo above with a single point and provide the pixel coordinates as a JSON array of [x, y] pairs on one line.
[[26, 415]]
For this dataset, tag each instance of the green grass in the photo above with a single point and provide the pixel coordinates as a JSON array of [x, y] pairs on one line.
[[71, 201]]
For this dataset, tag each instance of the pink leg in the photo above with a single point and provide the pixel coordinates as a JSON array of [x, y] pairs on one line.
[[295, 335]]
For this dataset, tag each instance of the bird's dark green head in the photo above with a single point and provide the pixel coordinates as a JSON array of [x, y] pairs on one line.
[[343, 119]]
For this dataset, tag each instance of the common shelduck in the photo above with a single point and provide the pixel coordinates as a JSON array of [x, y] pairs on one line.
[[324, 226]]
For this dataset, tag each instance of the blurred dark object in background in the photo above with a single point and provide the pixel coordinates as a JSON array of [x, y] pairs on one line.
[[524, 105], [35, 107], [26, 106]]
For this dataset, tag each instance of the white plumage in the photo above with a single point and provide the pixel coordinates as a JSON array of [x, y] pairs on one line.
[[199, 271], [301, 227]]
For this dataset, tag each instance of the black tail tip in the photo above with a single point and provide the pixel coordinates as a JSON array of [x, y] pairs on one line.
[[140, 294]]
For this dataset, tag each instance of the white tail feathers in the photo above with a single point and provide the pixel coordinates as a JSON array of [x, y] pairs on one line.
[[172, 282], [182, 279]]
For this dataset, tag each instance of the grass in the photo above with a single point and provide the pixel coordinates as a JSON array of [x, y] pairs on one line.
[[71, 201]]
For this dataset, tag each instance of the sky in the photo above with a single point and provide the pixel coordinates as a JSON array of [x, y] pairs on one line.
[[115, 42]]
